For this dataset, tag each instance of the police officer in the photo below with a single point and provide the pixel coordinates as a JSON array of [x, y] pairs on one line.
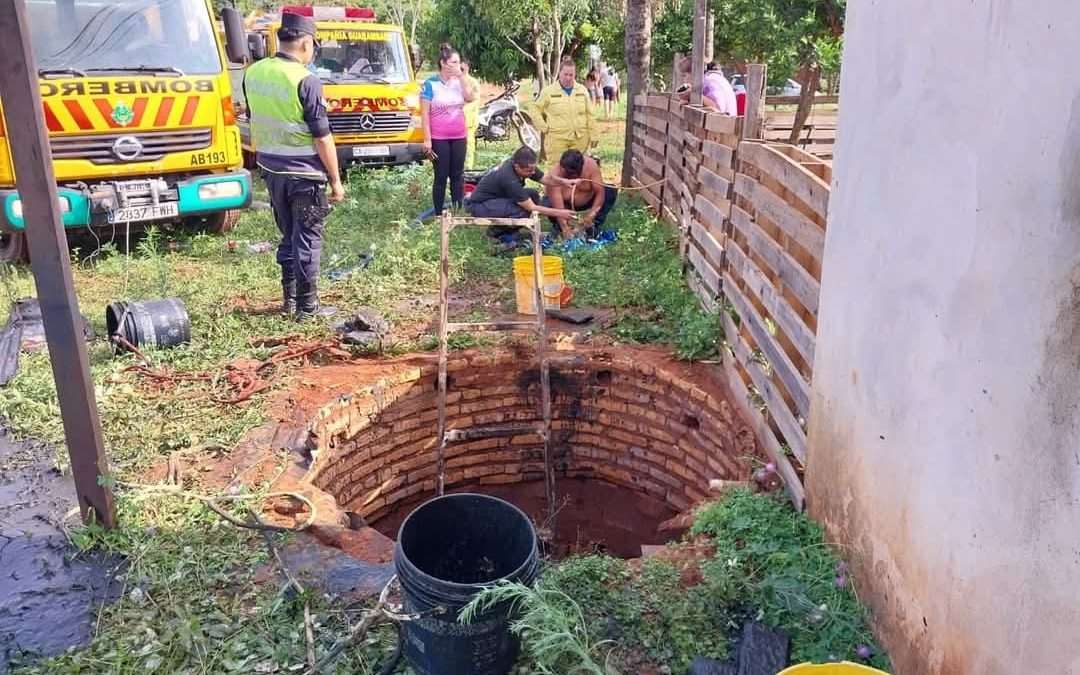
[[291, 134]]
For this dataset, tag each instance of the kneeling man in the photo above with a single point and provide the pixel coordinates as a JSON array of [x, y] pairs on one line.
[[588, 193]]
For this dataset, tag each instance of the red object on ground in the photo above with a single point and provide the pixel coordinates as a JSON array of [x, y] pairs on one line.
[[740, 103], [566, 296], [469, 188]]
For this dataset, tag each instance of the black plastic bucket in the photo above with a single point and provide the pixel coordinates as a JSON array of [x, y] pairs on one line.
[[151, 323], [448, 550]]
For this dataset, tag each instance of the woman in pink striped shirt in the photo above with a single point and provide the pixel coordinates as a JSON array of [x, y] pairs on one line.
[[442, 109]]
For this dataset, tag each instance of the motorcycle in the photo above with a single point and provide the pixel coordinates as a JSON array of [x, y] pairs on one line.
[[500, 114]]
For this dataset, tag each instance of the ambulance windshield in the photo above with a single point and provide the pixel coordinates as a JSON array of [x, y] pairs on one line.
[[362, 55], [114, 37]]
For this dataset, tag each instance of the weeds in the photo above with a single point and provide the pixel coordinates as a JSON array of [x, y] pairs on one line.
[[770, 564], [556, 639]]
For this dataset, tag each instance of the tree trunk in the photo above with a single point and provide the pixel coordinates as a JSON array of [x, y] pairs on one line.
[[538, 53], [806, 101], [638, 47]]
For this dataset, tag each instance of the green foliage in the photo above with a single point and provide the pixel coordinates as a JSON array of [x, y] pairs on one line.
[[663, 611], [556, 638], [648, 615], [780, 33], [790, 575], [491, 56]]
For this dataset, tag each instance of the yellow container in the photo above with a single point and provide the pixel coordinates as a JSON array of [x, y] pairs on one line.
[[843, 668], [525, 286]]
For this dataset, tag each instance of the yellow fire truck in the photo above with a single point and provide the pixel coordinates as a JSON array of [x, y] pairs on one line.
[[373, 99], [140, 117]]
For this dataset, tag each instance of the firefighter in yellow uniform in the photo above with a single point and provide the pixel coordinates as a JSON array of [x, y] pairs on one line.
[[472, 115], [564, 115]]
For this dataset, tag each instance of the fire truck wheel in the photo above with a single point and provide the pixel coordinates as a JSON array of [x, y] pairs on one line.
[[216, 223], [13, 248]]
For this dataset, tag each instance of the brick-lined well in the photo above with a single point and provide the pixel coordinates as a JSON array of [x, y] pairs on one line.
[[631, 421]]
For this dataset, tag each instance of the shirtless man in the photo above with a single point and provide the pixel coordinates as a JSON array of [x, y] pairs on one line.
[[589, 194]]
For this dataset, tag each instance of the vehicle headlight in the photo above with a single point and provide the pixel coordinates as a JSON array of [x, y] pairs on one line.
[[17, 209], [221, 190]]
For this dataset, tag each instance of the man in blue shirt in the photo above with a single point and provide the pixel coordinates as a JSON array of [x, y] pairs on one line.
[[295, 150]]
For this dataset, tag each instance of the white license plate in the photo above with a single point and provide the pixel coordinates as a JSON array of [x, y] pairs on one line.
[[371, 150], [134, 214]]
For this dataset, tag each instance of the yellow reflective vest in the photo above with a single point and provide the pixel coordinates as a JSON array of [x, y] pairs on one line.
[[563, 117]]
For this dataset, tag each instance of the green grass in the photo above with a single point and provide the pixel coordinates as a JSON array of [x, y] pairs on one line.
[[200, 607], [770, 564]]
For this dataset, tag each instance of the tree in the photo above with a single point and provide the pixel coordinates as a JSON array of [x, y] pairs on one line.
[[491, 56], [637, 48]]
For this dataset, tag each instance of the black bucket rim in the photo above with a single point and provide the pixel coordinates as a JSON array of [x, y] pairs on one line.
[[413, 569]]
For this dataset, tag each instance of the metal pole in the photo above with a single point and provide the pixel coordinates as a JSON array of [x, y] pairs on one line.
[[51, 265]]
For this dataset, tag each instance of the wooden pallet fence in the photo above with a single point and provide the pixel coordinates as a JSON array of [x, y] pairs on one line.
[[649, 147], [772, 280], [710, 164], [751, 216], [818, 136]]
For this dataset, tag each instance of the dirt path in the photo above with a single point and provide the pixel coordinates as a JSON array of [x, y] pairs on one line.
[[49, 592]]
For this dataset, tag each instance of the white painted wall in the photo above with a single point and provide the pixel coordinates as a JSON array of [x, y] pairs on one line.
[[945, 423]]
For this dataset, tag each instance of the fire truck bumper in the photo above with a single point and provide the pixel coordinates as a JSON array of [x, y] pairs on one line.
[[138, 200]]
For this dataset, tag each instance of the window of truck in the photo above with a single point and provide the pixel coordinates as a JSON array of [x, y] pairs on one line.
[[104, 37], [362, 55]]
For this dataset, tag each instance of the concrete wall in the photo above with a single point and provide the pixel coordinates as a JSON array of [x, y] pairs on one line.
[[945, 423]]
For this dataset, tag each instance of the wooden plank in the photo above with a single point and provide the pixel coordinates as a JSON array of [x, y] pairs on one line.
[[722, 124], [718, 152], [780, 362], [653, 167], [657, 145], [50, 260], [695, 117], [756, 79], [712, 248], [774, 401], [697, 53], [637, 149], [783, 314], [658, 102], [713, 215], [718, 184], [708, 274], [806, 232], [691, 141], [793, 275], [641, 100], [658, 123], [707, 298], [765, 436], [794, 100]]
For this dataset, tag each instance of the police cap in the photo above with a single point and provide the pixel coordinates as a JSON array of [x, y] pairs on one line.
[[298, 23]]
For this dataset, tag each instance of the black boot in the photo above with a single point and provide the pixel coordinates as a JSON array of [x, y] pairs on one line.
[[307, 302], [288, 292]]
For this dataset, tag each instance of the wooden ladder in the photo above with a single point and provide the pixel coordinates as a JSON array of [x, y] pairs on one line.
[[447, 223]]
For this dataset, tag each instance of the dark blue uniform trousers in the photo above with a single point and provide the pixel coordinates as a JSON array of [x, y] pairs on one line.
[[300, 209]]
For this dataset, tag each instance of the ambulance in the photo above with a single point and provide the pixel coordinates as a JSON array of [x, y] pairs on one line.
[[367, 71], [140, 118]]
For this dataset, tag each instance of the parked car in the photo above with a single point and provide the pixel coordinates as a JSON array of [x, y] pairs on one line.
[[790, 88]]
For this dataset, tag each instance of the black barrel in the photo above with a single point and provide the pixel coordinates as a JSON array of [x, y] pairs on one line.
[[151, 323], [448, 550]]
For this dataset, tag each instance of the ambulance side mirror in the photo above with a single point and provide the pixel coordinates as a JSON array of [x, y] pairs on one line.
[[257, 46], [236, 45]]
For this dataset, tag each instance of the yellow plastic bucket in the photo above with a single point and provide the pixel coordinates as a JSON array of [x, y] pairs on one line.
[[842, 668], [525, 287]]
